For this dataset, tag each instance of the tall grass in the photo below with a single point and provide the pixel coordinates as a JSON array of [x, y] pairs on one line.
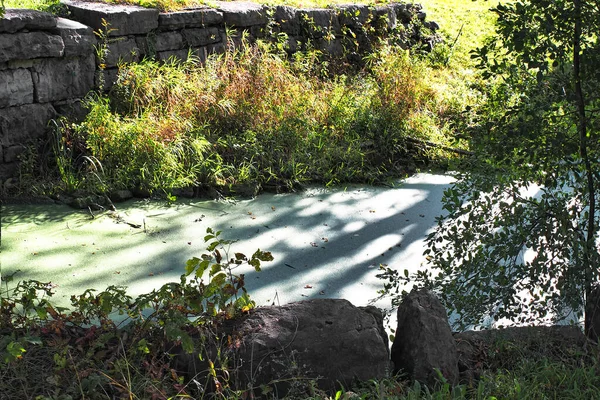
[[253, 116]]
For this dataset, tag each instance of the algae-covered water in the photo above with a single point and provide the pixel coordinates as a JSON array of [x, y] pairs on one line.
[[326, 242]]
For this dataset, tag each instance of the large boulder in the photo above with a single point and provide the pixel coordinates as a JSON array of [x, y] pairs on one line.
[[424, 341], [326, 340]]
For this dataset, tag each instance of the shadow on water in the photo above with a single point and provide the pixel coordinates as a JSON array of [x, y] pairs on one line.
[[326, 243]]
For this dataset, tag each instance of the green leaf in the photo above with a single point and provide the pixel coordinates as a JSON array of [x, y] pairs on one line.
[[213, 246], [215, 269], [191, 265], [255, 263], [202, 266]]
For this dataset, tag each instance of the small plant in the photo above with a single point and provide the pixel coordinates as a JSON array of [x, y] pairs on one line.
[[112, 343]]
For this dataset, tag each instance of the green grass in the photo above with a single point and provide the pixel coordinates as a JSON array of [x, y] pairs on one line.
[[254, 117]]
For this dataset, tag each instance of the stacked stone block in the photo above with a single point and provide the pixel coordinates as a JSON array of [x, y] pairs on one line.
[[48, 64]]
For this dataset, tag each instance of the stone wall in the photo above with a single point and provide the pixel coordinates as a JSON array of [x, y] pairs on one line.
[[48, 64]]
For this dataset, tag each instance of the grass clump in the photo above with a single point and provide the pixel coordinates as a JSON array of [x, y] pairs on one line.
[[253, 116]]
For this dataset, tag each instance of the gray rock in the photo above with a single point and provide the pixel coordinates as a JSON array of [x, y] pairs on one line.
[[24, 123], [168, 41], [317, 23], [79, 39], [73, 109], [29, 45], [106, 77], [122, 19], [242, 14], [18, 19], [16, 87], [201, 37], [328, 340], [287, 20], [424, 340], [353, 16], [434, 26], [123, 50], [333, 48], [404, 12], [386, 15], [11, 154], [7, 173], [198, 18], [177, 55], [61, 79]]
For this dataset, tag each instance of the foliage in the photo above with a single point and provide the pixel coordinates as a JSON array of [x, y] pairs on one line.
[[519, 241], [253, 116], [113, 344]]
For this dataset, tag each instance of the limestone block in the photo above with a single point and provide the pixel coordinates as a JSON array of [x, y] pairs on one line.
[[28, 45], [354, 16], [318, 23], [18, 19], [176, 55], [201, 37], [73, 109], [60, 79], [168, 41], [11, 154], [242, 14], [8, 170], [287, 20], [199, 54], [217, 48], [385, 14], [333, 48], [122, 19], [24, 123], [16, 87], [79, 39], [123, 50], [16, 64], [198, 18], [406, 12], [108, 76]]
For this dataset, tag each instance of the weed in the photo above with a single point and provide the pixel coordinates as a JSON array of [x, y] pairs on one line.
[[89, 351]]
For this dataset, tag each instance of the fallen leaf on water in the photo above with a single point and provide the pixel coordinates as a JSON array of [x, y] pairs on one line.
[[151, 274], [308, 287], [325, 239], [273, 208], [117, 272]]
